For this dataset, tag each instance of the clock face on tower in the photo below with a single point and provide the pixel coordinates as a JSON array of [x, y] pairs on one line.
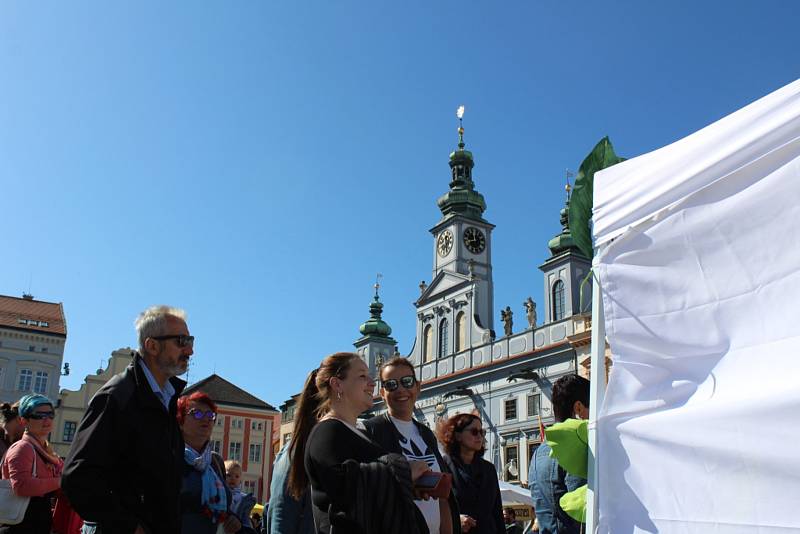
[[445, 243], [474, 240]]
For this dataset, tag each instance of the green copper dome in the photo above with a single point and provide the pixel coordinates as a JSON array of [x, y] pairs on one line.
[[375, 326], [462, 199], [564, 240]]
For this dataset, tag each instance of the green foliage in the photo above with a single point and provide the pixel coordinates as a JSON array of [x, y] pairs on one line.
[[601, 157]]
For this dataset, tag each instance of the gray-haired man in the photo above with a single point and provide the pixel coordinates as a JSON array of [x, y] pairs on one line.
[[123, 472]]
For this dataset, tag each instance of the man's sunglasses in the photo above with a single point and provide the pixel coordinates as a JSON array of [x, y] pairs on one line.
[[200, 414], [180, 340], [393, 383], [42, 415], [475, 431]]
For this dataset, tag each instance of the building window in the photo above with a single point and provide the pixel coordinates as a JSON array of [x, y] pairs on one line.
[[40, 385], [235, 451], [461, 332], [260, 426], [531, 449], [511, 409], [44, 349], [427, 343], [216, 445], [534, 404], [220, 420], [25, 380], [511, 467], [255, 453], [32, 348], [443, 331], [250, 486], [69, 431], [558, 300], [252, 425], [236, 423], [44, 323]]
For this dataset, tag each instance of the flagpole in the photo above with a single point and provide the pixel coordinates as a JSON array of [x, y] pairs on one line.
[[596, 393]]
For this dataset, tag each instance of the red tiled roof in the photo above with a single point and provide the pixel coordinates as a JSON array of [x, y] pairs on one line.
[[32, 315]]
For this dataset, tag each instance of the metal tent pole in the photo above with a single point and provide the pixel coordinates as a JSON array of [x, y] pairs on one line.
[[596, 392]]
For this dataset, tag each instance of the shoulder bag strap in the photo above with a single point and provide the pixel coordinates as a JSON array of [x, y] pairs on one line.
[[35, 454]]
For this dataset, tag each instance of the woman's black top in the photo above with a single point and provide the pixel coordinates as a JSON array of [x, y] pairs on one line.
[[330, 443], [478, 494]]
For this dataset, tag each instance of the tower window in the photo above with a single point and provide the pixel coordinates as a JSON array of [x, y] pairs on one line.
[[427, 343], [558, 300], [461, 331], [443, 331]]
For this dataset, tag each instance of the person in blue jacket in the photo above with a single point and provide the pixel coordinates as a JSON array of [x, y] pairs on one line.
[[549, 481], [285, 514]]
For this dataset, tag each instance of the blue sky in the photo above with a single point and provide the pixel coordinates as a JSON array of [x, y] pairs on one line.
[[257, 163]]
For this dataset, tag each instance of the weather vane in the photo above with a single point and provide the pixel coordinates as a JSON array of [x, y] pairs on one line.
[[377, 283], [568, 187], [460, 115]]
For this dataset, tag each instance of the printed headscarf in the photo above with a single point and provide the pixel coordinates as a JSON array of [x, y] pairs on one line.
[[29, 403]]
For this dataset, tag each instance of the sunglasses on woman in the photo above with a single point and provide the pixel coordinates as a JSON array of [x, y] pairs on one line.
[[475, 431], [42, 415], [200, 414], [393, 383]]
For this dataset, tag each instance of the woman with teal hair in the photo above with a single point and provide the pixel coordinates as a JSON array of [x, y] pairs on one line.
[[32, 467]]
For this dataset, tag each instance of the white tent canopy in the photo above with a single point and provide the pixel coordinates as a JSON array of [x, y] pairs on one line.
[[699, 266], [513, 494]]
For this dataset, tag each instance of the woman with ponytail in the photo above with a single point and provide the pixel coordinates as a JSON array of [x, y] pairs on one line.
[[355, 486]]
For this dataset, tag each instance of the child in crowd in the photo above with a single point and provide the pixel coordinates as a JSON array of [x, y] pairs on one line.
[[241, 503]]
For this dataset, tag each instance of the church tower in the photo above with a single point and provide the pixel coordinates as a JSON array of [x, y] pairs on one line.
[[454, 311], [564, 272], [375, 344]]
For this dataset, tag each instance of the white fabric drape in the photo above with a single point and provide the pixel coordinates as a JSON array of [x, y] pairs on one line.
[[700, 276]]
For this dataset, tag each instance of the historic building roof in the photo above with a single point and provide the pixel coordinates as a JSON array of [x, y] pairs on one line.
[[32, 315], [375, 325], [462, 199], [563, 241], [223, 392]]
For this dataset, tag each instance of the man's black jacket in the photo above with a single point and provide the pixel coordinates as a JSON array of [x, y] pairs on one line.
[[383, 432], [125, 466]]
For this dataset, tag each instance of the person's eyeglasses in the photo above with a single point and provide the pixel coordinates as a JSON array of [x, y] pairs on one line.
[[393, 383], [200, 414], [476, 431], [180, 340], [42, 415]]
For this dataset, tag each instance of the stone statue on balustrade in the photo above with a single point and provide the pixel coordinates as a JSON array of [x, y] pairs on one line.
[[530, 310], [508, 322]]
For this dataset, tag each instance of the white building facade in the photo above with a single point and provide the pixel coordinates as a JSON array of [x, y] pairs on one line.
[[462, 362]]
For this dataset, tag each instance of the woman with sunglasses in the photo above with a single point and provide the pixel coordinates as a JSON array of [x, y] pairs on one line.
[[474, 479], [397, 431], [355, 486], [205, 498], [32, 466]]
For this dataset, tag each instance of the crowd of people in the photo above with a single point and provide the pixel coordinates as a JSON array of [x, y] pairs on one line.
[[141, 461]]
